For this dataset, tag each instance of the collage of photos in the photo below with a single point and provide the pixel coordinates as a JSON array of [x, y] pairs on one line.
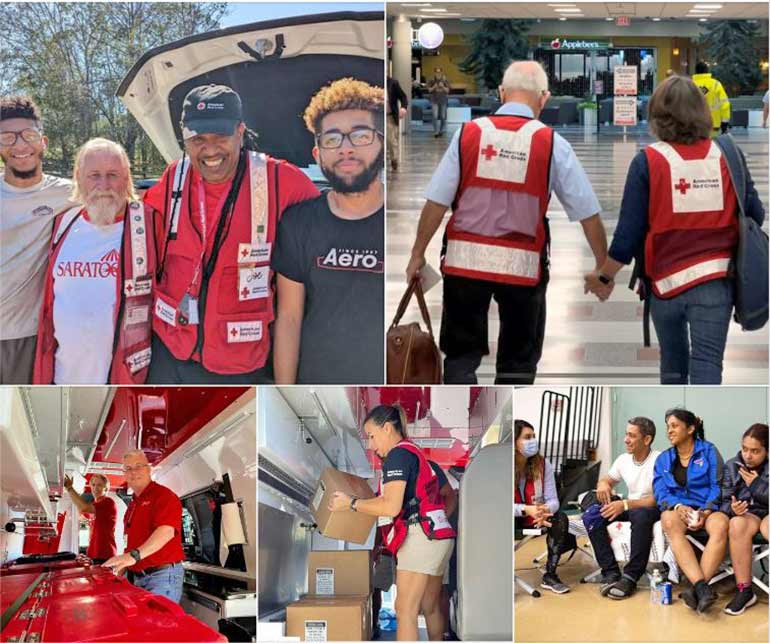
[[384, 321]]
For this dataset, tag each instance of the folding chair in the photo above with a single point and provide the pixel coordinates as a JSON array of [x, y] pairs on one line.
[[759, 552], [519, 541], [699, 540]]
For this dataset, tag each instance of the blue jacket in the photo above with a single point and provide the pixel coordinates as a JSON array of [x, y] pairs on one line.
[[704, 477], [733, 485]]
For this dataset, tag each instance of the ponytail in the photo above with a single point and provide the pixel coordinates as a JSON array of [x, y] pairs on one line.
[[393, 413]]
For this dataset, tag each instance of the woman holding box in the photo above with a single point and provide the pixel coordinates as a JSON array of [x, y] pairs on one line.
[[412, 518], [686, 487]]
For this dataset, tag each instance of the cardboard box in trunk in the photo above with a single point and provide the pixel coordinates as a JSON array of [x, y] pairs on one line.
[[351, 526], [338, 573], [330, 618]]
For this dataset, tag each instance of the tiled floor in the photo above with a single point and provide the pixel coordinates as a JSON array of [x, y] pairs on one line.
[[586, 341]]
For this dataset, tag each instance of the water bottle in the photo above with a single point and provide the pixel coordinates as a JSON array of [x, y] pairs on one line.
[[655, 582]]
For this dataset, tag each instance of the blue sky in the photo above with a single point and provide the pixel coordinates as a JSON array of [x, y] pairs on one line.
[[245, 12]]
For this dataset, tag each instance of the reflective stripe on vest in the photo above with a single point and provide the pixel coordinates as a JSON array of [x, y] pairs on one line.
[[492, 259], [712, 268]]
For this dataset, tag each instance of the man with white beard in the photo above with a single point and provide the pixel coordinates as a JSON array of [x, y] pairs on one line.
[[29, 201], [95, 324]]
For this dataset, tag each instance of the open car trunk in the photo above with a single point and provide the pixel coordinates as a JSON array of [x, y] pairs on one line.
[[276, 67]]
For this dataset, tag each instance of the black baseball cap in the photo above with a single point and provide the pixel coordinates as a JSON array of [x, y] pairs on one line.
[[211, 109]]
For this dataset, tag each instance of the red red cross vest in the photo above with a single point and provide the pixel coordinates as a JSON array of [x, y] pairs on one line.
[[430, 510], [532, 489], [693, 227], [226, 330], [510, 153], [133, 322]]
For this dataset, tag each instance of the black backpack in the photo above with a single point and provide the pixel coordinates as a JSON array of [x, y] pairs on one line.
[[750, 265]]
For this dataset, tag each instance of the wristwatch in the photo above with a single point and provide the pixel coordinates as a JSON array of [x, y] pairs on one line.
[[134, 553], [604, 279], [353, 502]]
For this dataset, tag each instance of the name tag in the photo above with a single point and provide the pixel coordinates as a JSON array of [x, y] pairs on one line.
[[252, 283], [165, 312], [139, 360], [439, 519], [257, 253], [248, 331], [137, 315], [137, 287]]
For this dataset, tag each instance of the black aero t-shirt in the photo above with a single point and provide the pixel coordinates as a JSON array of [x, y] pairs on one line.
[[340, 263]]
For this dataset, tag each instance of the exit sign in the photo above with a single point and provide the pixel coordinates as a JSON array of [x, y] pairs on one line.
[[623, 21]]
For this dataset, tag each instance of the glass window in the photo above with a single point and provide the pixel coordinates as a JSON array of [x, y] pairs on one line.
[[572, 66]]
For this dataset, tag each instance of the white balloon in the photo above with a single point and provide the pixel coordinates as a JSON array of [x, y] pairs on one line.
[[430, 35]]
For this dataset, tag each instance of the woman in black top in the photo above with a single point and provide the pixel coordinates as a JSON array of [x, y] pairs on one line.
[[421, 562], [744, 501]]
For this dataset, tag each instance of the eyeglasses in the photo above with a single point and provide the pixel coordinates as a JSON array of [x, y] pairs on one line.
[[136, 467], [359, 137], [29, 135]]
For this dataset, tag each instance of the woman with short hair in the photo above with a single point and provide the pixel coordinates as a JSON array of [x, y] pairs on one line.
[[679, 219]]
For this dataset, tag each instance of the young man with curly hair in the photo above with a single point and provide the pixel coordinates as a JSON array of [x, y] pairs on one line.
[[329, 252], [29, 200]]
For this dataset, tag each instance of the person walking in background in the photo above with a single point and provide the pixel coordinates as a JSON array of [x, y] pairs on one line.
[[716, 98], [397, 109], [438, 88]]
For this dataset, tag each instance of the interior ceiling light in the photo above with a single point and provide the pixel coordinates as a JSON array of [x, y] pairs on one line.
[[563, 19], [656, 19], [708, 6], [568, 10]]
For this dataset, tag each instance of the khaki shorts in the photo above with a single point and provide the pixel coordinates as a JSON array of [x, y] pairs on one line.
[[424, 556]]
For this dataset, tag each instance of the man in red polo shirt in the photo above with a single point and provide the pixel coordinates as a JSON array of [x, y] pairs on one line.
[[153, 524], [101, 544]]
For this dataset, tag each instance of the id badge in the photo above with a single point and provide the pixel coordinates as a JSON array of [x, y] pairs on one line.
[[252, 283], [188, 310]]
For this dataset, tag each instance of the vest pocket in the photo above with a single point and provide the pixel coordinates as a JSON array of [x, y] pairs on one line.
[[224, 293]]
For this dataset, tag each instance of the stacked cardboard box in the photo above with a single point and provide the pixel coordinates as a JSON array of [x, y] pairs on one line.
[[338, 607]]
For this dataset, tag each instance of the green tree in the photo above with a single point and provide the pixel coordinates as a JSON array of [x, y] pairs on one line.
[[731, 47], [493, 46], [71, 57]]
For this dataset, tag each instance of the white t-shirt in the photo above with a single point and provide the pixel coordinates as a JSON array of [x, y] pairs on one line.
[[85, 294], [638, 477], [26, 223]]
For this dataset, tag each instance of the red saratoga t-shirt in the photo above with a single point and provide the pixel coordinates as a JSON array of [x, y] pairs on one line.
[[155, 506], [101, 545]]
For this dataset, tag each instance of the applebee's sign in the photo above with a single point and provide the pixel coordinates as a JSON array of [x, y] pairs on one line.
[[564, 43]]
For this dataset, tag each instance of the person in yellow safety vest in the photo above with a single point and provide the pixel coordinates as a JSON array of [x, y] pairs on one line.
[[716, 97]]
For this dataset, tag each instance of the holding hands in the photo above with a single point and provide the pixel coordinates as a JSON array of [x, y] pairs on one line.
[[595, 282]]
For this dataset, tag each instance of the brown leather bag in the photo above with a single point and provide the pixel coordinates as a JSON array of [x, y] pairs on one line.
[[412, 354]]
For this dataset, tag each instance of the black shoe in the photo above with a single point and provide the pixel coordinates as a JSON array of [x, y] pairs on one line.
[[624, 588], [607, 581], [553, 582], [436, 135], [741, 602], [688, 596], [706, 596], [394, 165]]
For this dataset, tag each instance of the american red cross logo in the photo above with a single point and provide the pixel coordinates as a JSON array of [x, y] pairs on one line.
[[129, 288], [682, 186], [245, 290], [244, 252], [234, 332], [489, 152]]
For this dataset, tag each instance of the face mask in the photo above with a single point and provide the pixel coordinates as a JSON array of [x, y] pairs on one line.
[[530, 448]]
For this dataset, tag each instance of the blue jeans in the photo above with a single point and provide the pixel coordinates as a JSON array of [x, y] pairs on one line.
[[439, 117], [705, 310], [167, 582]]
